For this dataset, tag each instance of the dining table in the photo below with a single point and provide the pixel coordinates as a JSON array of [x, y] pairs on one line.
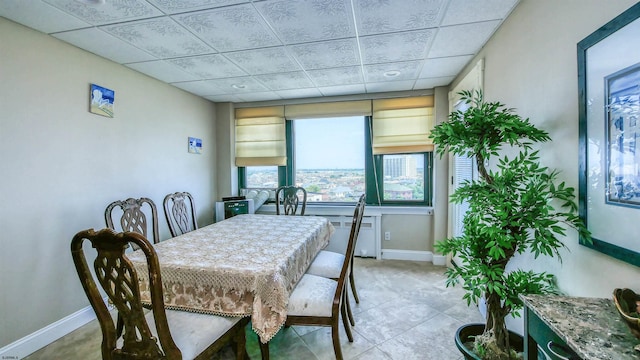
[[246, 265]]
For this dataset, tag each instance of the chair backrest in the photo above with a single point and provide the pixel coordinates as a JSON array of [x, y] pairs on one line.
[[180, 217], [119, 280], [356, 221], [361, 203], [288, 200], [133, 217]]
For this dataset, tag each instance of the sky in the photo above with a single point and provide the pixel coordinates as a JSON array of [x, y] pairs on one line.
[[333, 143]]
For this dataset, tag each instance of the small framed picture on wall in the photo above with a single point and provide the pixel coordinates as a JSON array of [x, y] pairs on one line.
[[102, 100], [195, 145]]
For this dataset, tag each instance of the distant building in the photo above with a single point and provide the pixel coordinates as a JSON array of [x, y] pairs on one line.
[[394, 191], [400, 166], [340, 192]]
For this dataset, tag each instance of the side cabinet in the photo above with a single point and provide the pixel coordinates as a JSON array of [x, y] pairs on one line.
[[541, 343]]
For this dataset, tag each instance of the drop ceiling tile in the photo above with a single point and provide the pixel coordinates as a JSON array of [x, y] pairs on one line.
[[201, 88], [263, 61], [462, 39], [304, 21], [285, 81], [327, 54], [208, 46], [465, 11], [39, 16], [162, 70], [430, 83], [299, 93], [238, 85], [179, 6], [342, 90], [448, 66], [208, 66], [338, 76], [105, 45], [377, 17], [161, 37], [404, 46], [109, 12], [389, 86], [231, 28], [224, 98], [408, 70], [260, 96]]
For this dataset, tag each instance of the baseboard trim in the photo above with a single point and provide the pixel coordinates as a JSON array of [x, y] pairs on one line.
[[48, 334], [412, 255], [439, 260]]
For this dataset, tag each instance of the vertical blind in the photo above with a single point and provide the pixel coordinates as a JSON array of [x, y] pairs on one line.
[[461, 167], [402, 125], [261, 137]]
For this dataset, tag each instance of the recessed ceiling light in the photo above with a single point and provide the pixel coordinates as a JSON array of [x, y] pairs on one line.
[[239, 86], [391, 73]]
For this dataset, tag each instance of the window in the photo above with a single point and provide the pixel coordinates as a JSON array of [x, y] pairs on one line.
[[329, 158], [337, 151], [261, 177], [403, 177], [462, 168]]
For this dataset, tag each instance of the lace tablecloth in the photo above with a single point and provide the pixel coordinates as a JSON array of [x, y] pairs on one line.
[[245, 265]]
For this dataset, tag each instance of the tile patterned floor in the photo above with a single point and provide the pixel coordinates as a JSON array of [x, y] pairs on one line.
[[405, 312]]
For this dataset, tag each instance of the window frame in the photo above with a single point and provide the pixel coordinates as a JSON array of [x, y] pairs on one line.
[[427, 185], [373, 172]]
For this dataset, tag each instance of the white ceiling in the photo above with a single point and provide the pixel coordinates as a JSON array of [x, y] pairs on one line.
[[246, 51]]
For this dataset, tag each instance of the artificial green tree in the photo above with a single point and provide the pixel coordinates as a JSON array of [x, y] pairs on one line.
[[515, 206]]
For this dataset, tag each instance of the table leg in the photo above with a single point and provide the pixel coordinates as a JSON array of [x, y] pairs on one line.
[[264, 350]]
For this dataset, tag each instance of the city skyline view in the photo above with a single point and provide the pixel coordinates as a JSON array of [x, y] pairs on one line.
[[403, 181], [330, 165]]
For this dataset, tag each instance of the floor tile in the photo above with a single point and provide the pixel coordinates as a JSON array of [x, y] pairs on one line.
[[406, 311]]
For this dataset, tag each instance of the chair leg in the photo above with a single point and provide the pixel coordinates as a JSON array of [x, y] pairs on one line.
[[345, 323], [335, 336], [347, 303], [353, 283], [264, 350]]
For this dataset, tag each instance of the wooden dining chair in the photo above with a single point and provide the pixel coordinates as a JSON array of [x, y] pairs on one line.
[[289, 199], [160, 333], [180, 217], [329, 264], [133, 217], [316, 300]]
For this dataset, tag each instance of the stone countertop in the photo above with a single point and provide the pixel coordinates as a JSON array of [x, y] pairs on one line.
[[589, 326]]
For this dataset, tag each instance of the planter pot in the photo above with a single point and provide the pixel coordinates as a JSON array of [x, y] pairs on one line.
[[465, 334]]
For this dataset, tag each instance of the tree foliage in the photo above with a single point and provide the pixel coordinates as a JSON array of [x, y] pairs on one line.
[[515, 206]]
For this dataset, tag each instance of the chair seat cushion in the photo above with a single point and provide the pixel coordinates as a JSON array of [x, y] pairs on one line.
[[313, 296], [327, 264], [194, 332]]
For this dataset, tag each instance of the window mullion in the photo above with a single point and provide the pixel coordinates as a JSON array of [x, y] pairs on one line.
[[286, 174], [372, 167]]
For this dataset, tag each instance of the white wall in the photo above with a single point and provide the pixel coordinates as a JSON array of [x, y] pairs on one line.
[[530, 65], [61, 165]]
